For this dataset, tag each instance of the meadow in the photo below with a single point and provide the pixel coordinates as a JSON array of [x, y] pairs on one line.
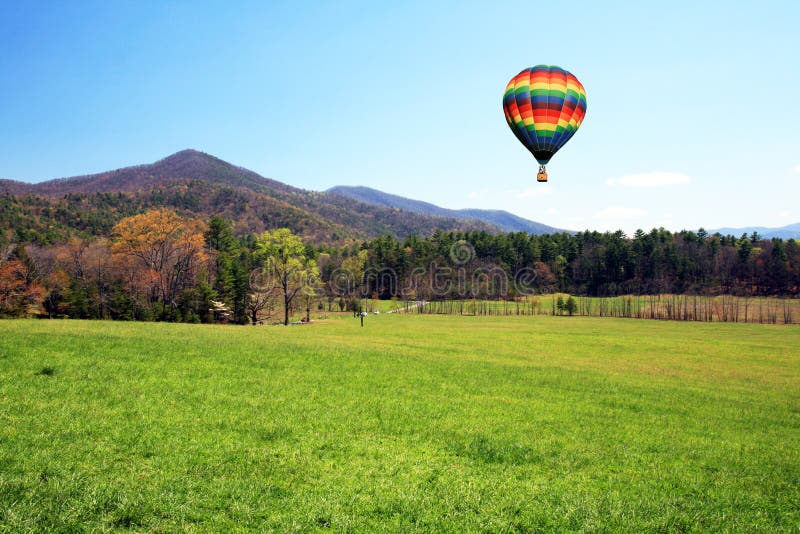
[[412, 423]]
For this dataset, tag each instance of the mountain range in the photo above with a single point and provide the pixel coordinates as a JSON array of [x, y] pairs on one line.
[[202, 185], [790, 231], [508, 222]]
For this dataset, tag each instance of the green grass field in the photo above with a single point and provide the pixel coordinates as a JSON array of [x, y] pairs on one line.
[[412, 423]]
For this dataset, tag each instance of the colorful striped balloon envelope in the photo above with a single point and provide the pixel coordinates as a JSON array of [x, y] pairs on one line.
[[544, 107]]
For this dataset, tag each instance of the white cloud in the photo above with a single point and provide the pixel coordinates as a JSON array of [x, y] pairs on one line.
[[618, 212], [473, 195], [536, 191], [650, 179], [796, 168]]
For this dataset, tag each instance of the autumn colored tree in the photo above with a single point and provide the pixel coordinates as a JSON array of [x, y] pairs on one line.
[[20, 290], [544, 279], [51, 274], [169, 247], [285, 261]]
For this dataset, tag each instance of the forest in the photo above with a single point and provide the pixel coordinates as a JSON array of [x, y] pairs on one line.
[[160, 265]]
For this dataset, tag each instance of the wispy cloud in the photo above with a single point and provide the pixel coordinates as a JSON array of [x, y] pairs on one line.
[[619, 212], [650, 179], [536, 191], [796, 168]]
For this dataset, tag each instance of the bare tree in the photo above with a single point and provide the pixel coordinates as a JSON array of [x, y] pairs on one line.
[[261, 296]]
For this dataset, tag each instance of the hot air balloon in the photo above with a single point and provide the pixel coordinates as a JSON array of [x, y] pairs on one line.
[[544, 107]]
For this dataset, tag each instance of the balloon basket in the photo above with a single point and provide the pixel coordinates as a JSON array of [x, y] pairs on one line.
[[541, 176]]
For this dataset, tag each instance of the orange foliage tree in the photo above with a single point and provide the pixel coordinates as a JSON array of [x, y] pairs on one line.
[[20, 293], [165, 249]]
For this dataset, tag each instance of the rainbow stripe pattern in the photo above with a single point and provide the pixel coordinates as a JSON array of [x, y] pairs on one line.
[[544, 107]]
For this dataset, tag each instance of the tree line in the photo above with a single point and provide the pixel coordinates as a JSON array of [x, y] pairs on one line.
[[158, 265], [590, 264]]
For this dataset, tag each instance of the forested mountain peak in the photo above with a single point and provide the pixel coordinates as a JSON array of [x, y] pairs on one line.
[[187, 164], [202, 185]]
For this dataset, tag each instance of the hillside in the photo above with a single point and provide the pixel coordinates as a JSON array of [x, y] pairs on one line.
[[202, 185], [504, 220]]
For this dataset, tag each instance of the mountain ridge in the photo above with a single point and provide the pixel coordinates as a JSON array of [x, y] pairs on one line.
[[504, 220], [790, 231], [201, 184], [188, 163], [188, 179]]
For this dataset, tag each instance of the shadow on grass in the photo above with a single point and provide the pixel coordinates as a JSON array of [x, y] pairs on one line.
[[492, 451]]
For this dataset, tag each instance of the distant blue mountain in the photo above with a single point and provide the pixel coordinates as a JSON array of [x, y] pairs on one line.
[[790, 231], [504, 220]]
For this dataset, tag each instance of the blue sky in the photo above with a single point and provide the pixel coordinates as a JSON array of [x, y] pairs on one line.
[[692, 109]]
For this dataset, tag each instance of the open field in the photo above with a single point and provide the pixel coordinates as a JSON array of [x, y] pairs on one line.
[[414, 423]]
